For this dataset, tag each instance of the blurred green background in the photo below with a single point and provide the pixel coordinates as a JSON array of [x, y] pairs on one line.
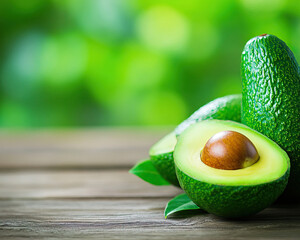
[[118, 62]]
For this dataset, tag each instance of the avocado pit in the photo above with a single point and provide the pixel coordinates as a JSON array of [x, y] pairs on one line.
[[229, 150]]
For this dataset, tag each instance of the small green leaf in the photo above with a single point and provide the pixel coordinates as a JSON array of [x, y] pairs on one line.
[[179, 203], [146, 171]]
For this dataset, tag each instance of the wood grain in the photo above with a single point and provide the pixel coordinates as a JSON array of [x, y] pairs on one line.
[[78, 184], [136, 219], [63, 184], [91, 148]]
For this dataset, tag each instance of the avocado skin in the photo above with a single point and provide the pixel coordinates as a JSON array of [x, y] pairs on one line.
[[271, 99], [223, 108], [164, 164], [232, 201]]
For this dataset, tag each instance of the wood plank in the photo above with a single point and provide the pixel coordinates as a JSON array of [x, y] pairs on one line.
[[78, 184], [86, 148], [136, 219], [75, 184]]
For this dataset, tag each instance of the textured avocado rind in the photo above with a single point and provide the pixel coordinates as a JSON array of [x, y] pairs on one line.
[[232, 201], [164, 164], [271, 97], [223, 108]]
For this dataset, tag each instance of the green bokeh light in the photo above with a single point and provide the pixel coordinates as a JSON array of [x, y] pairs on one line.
[[63, 59], [163, 28], [162, 108], [127, 62]]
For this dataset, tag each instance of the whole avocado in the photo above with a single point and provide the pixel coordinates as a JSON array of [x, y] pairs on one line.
[[271, 99]]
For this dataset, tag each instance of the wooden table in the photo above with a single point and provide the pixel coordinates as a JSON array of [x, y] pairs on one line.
[[75, 184]]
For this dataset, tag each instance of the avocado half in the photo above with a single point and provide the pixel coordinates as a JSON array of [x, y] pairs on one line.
[[230, 193]]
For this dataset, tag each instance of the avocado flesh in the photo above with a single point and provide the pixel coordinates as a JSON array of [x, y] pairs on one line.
[[230, 193], [161, 153], [271, 97]]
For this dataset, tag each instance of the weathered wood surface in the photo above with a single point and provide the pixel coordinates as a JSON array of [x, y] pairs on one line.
[[135, 218], [75, 184], [91, 148], [78, 184]]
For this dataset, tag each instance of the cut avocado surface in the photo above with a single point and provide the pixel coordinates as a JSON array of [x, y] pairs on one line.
[[165, 145], [161, 153], [230, 193], [271, 97]]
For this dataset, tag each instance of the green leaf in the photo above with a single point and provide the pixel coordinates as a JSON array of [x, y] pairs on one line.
[[146, 171], [179, 203]]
